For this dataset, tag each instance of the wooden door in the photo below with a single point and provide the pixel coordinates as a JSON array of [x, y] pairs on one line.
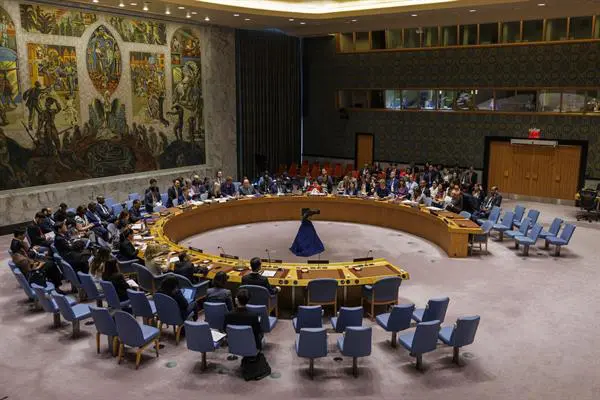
[[565, 172], [499, 166], [522, 157], [542, 165], [364, 149]]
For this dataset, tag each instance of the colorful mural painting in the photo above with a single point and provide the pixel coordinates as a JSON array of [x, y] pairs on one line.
[[140, 31], [103, 60], [148, 87], [55, 21], [10, 100]]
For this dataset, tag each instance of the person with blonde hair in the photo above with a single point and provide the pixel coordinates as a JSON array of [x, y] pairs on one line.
[[153, 259]]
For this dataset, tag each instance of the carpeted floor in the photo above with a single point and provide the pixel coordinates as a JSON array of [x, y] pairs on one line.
[[538, 336]]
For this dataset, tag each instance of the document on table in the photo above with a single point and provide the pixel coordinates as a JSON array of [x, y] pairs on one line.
[[49, 236], [173, 259], [434, 208], [132, 283], [136, 227], [216, 335], [268, 273], [137, 237]]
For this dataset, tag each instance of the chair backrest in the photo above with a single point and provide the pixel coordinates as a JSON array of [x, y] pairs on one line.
[[110, 294], [261, 311], [525, 224], [436, 309], [349, 316], [533, 216], [494, 214], [426, 337], [109, 201], [465, 214], [183, 281], [63, 305], [322, 290], [134, 196], [555, 226], [464, 331], [145, 278], [240, 339], [567, 232], [534, 233], [508, 219], [167, 309], [198, 336], [128, 204], [214, 314], [519, 212], [357, 341], [12, 266], [129, 330], [140, 305], [312, 342], [69, 274], [24, 284], [386, 289], [163, 198], [47, 303], [117, 208], [89, 286], [105, 324], [487, 226], [309, 317], [400, 317], [258, 294]]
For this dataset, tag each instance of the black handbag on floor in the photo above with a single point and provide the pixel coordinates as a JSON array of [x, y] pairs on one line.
[[255, 368]]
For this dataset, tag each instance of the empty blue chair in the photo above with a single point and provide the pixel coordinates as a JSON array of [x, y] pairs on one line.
[[89, 286], [70, 275], [563, 240], [267, 323], [71, 211], [382, 292], [348, 316], [48, 304], [134, 196], [168, 313], [482, 238], [199, 338], [435, 310], [308, 317], [504, 225], [163, 198], [322, 292], [522, 231], [128, 204], [146, 279], [493, 216], [553, 230], [261, 296], [465, 214], [116, 209], [105, 325], [214, 314], [141, 306], [356, 342], [422, 340], [72, 312], [397, 320], [519, 212], [533, 217], [240, 340], [460, 334], [25, 285], [134, 334], [311, 343], [109, 201], [528, 240], [112, 298], [126, 266], [190, 291]]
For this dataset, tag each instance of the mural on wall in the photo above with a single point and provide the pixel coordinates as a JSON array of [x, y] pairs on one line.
[[10, 99], [103, 60], [188, 103], [148, 87], [140, 31], [55, 21]]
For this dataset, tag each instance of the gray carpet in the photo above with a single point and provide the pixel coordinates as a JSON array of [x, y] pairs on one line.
[[538, 336]]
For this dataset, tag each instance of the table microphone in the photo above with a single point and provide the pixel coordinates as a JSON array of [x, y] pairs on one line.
[[268, 255], [368, 252], [222, 249]]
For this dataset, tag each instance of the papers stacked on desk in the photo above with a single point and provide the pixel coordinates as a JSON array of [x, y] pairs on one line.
[[137, 237], [173, 259], [268, 273], [432, 208], [410, 203], [137, 227]]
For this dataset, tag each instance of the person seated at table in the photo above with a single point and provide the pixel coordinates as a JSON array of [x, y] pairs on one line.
[[82, 224], [228, 188], [456, 205], [352, 188], [198, 187], [185, 267], [47, 224], [135, 212], [327, 181], [364, 188], [111, 274], [61, 213], [478, 194], [152, 196], [255, 278], [122, 221], [103, 255], [127, 250], [241, 316], [392, 182], [104, 212], [264, 183], [93, 218], [296, 189], [28, 261], [493, 199], [170, 287], [423, 197], [35, 233], [175, 193], [434, 189], [382, 191], [246, 189], [71, 250], [154, 258], [217, 293]]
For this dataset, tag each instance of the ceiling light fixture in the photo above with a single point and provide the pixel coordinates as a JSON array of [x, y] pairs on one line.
[[194, 13], [302, 23], [188, 15], [206, 18], [291, 19], [236, 15], [472, 11], [414, 15], [167, 11], [181, 7], [246, 19], [354, 20], [121, 4], [145, 8], [133, 4], [541, 4], [95, 1]]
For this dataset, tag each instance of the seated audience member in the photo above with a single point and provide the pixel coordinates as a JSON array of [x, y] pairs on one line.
[[434, 189], [198, 187], [25, 259], [456, 205], [104, 212], [228, 188], [342, 185], [246, 189], [382, 191], [255, 278], [364, 188], [127, 250], [265, 183], [112, 274], [327, 181], [99, 226], [123, 220], [478, 194], [469, 178], [175, 193], [278, 187], [315, 187], [152, 196], [296, 189], [47, 224], [218, 293], [306, 182], [424, 197], [170, 287], [61, 213], [72, 251], [352, 188], [135, 212], [411, 185], [216, 185], [35, 233], [392, 182], [154, 257], [493, 199], [82, 224], [241, 316], [103, 255], [185, 267]]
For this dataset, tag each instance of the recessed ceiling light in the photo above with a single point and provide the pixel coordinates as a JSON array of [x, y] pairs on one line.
[[414, 15], [472, 11], [181, 7], [291, 19], [167, 11], [194, 13], [188, 15], [354, 20], [302, 23], [121, 4], [133, 4], [95, 1], [236, 15], [541, 4], [206, 18], [246, 19], [145, 8]]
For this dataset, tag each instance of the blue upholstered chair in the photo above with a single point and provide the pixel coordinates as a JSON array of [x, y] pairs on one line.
[[126, 266], [25, 285], [504, 225], [72, 312], [322, 292], [533, 216], [134, 334], [563, 240], [240, 339], [528, 240], [261, 296], [382, 292], [522, 231], [519, 212], [70, 275], [168, 314], [128, 204], [423, 340], [141, 306], [311, 343], [109, 201], [199, 338], [553, 230], [460, 334], [88, 285], [356, 342], [308, 317], [105, 325], [482, 238], [397, 320], [493, 216], [146, 279], [48, 304], [465, 214], [112, 298], [214, 314], [190, 291], [267, 323], [116, 209], [435, 310], [134, 196], [347, 316], [163, 198]]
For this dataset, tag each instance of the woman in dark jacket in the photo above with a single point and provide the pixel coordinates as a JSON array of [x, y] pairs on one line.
[[170, 287], [218, 293], [111, 274]]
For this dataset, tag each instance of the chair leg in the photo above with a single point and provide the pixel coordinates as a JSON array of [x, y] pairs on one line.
[[501, 236], [76, 328], [204, 364], [455, 358], [56, 320], [419, 361], [156, 346], [97, 342], [355, 366], [546, 244], [311, 368], [394, 339], [138, 357], [525, 250], [177, 333], [120, 353], [556, 251], [115, 343], [516, 245], [372, 311]]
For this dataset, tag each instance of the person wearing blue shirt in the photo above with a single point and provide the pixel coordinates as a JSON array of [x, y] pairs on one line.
[[382, 190]]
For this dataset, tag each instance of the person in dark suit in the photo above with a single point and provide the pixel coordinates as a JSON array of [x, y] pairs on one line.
[[99, 225], [493, 199], [135, 212], [111, 274], [170, 287], [73, 251], [126, 248], [218, 293], [35, 232], [228, 188], [47, 224], [151, 196], [175, 192], [241, 316], [103, 211], [185, 267], [456, 205], [61, 213], [255, 278]]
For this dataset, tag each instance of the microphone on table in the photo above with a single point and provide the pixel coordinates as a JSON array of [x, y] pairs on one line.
[[268, 255], [367, 257], [222, 249]]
